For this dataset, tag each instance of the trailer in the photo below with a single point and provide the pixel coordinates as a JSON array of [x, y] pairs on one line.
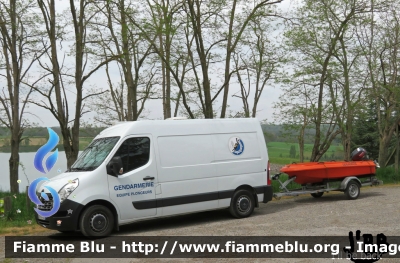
[[349, 185]]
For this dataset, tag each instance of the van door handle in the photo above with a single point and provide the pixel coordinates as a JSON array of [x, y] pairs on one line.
[[148, 178]]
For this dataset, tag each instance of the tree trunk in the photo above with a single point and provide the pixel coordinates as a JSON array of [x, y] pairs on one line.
[[168, 75], [396, 160], [195, 20], [163, 72], [228, 60], [383, 151], [301, 144], [16, 122], [177, 104], [14, 164]]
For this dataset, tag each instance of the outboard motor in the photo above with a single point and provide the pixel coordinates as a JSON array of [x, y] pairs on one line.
[[359, 154]]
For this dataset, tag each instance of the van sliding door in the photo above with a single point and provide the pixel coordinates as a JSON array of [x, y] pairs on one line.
[[186, 174]]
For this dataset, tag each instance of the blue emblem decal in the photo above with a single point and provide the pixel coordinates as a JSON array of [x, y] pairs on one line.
[[236, 145]]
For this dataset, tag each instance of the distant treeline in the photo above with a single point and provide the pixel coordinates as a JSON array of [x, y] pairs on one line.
[[36, 137], [273, 133], [278, 133]]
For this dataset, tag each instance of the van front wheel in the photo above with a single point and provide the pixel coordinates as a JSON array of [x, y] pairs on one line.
[[96, 221], [242, 204]]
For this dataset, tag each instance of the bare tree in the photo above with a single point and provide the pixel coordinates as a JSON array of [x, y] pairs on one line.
[[81, 18], [260, 59], [236, 27], [19, 41], [114, 37]]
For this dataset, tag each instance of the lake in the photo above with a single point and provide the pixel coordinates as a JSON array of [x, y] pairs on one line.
[[31, 173]]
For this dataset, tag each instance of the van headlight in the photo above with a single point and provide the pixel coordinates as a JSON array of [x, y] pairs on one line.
[[68, 189]]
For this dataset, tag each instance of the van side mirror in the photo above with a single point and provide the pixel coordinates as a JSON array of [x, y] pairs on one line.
[[115, 166]]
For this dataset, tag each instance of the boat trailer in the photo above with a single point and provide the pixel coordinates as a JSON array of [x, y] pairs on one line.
[[349, 185]]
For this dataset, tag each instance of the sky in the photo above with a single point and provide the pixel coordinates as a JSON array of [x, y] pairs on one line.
[[153, 108]]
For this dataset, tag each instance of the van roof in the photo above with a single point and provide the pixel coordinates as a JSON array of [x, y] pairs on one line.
[[182, 127]]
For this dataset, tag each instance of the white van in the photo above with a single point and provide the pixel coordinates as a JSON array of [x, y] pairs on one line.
[[146, 169]]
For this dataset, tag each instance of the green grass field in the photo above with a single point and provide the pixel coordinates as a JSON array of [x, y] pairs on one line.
[[279, 152]]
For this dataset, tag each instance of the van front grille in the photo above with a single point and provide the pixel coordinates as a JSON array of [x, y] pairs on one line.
[[47, 205]]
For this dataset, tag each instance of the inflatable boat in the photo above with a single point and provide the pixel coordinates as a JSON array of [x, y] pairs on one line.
[[319, 172]]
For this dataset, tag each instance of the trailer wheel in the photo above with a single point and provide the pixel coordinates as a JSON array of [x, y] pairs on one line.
[[242, 204], [96, 221], [352, 190], [317, 195]]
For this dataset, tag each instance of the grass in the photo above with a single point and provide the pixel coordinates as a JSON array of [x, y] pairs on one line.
[[388, 175], [283, 178], [15, 222], [279, 152]]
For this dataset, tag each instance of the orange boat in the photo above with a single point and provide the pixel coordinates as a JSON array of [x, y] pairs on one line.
[[318, 172]]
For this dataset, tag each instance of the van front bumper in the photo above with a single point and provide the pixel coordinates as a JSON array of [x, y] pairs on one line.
[[66, 218]]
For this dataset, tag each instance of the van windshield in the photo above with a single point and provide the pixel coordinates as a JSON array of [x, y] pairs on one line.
[[94, 154]]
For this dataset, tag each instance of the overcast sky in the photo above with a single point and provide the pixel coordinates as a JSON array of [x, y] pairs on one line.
[[153, 108]]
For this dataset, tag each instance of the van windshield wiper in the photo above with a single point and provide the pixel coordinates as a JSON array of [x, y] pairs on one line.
[[80, 169]]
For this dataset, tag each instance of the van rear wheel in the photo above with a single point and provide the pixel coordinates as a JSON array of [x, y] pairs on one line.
[[242, 204], [96, 221]]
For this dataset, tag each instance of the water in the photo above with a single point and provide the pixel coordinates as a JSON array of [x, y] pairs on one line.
[[31, 173]]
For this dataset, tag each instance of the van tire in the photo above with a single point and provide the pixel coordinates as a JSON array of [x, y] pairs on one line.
[[242, 204], [96, 221]]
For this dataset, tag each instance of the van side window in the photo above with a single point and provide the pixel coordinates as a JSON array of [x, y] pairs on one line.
[[134, 152]]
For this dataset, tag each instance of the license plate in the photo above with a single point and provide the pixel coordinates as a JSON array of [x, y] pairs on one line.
[[41, 217]]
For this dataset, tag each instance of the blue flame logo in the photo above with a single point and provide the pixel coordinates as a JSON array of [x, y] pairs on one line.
[[45, 149], [32, 195], [38, 162]]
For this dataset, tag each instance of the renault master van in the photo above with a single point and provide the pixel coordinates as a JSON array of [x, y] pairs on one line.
[[146, 169]]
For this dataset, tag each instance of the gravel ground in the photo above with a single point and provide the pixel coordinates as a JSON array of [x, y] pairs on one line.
[[375, 211]]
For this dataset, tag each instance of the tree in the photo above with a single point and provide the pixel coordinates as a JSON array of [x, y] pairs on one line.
[[19, 41], [260, 59], [365, 131], [292, 152], [315, 39], [380, 41], [81, 18], [237, 25], [296, 107], [115, 38]]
